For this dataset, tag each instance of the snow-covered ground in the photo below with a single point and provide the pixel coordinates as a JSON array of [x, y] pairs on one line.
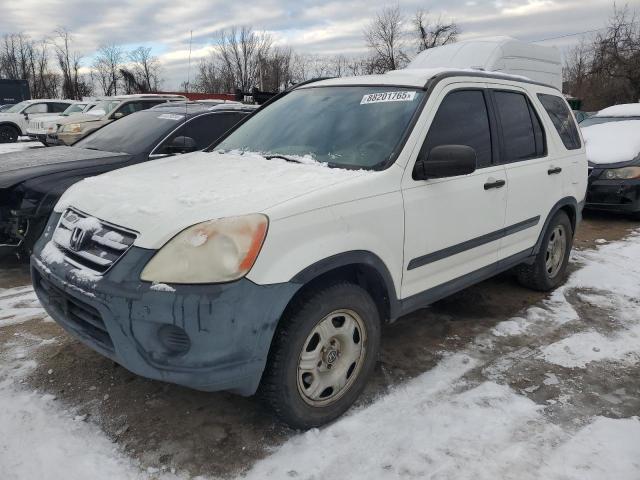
[[463, 419]]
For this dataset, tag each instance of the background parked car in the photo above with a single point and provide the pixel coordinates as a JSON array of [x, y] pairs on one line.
[[612, 137], [14, 121], [31, 182], [617, 113], [39, 126], [105, 112]]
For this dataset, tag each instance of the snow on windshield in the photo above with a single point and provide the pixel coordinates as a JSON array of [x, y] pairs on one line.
[[612, 142]]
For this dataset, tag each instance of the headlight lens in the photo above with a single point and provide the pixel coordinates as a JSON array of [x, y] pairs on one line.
[[73, 128], [210, 252], [625, 173]]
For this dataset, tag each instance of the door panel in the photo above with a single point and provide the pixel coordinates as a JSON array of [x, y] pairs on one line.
[[532, 187], [453, 225]]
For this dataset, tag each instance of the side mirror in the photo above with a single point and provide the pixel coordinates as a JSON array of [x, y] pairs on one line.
[[182, 145], [117, 115], [446, 161]]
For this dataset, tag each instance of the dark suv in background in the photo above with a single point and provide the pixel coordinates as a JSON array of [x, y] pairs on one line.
[[31, 182]]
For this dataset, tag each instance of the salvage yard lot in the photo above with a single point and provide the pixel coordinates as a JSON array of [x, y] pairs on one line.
[[494, 382]]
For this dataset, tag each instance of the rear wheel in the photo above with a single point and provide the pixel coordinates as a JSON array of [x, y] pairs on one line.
[[8, 134], [322, 355], [550, 265]]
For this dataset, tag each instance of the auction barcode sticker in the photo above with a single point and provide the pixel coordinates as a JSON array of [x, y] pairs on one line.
[[170, 116], [403, 96]]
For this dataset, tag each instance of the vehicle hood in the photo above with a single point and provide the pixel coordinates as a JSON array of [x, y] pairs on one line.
[[611, 143], [82, 118], [9, 116], [161, 198], [20, 166]]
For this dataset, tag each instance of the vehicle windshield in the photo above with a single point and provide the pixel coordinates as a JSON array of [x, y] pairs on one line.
[[346, 127], [104, 107], [597, 120], [133, 134], [17, 107], [75, 108]]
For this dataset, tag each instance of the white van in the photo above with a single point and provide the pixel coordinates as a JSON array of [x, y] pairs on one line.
[[270, 260]]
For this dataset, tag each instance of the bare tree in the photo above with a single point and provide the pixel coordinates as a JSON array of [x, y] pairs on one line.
[[106, 68], [240, 51], [385, 38], [433, 33], [146, 68], [73, 85]]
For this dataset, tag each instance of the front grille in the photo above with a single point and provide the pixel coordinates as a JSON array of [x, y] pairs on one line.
[[91, 243], [81, 317]]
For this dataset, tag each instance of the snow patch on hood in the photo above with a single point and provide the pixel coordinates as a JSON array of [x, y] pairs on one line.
[[612, 142], [163, 197], [626, 110]]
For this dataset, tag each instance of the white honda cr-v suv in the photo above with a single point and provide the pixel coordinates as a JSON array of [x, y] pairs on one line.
[[269, 261]]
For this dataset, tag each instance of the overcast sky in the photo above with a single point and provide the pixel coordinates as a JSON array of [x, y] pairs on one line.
[[331, 27]]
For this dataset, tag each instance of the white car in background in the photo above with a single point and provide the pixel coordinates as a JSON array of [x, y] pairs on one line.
[[13, 122], [41, 126]]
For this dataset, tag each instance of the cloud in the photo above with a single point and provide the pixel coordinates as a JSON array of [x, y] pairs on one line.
[[313, 26]]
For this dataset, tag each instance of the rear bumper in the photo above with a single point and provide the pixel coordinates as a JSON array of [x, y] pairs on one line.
[[227, 328], [614, 195]]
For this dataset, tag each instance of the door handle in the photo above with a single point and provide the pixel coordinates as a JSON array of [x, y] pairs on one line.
[[554, 170], [491, 183]]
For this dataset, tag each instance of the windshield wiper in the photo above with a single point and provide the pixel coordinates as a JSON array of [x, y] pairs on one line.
[[282, 157]]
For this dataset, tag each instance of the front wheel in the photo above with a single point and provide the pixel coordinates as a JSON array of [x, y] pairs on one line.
[[322, 355], [8, 134], [550, 265]]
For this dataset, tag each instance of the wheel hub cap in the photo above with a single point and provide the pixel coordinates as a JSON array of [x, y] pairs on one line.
[[556, 251], [331, 358]]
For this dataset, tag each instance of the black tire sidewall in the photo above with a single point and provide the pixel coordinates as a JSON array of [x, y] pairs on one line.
[[11, 130], [295, 411]]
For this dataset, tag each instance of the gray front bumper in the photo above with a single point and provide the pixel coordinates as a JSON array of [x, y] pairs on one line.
[[229, 326]]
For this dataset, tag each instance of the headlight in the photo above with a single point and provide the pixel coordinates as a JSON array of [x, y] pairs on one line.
[[211, 252], [625, 173], [73, 128]]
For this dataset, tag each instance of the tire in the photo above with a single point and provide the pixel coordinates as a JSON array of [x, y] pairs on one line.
[[8, 134], [313, 396], [549, 268]]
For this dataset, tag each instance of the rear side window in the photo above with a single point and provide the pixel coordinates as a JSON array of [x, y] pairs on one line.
[[462, 119], [562, 119], [523, 137], [58, 107], [204, 129]]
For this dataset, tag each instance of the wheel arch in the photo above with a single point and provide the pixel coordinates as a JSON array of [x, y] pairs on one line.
[[569, 205], [363, 268], [13, 125]]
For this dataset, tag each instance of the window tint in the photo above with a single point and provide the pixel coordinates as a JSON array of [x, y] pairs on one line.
[[58, 107], [462, 119], [521, 129], [36, 108], [204, 129], [561, 118]]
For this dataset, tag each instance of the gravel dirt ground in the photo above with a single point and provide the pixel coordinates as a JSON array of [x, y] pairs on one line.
[[170, 427]]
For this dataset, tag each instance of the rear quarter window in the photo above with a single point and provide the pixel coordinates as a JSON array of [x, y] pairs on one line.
[[562, 120]]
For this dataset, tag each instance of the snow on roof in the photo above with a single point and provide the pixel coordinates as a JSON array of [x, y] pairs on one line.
[[625, 110], [612, 142]]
